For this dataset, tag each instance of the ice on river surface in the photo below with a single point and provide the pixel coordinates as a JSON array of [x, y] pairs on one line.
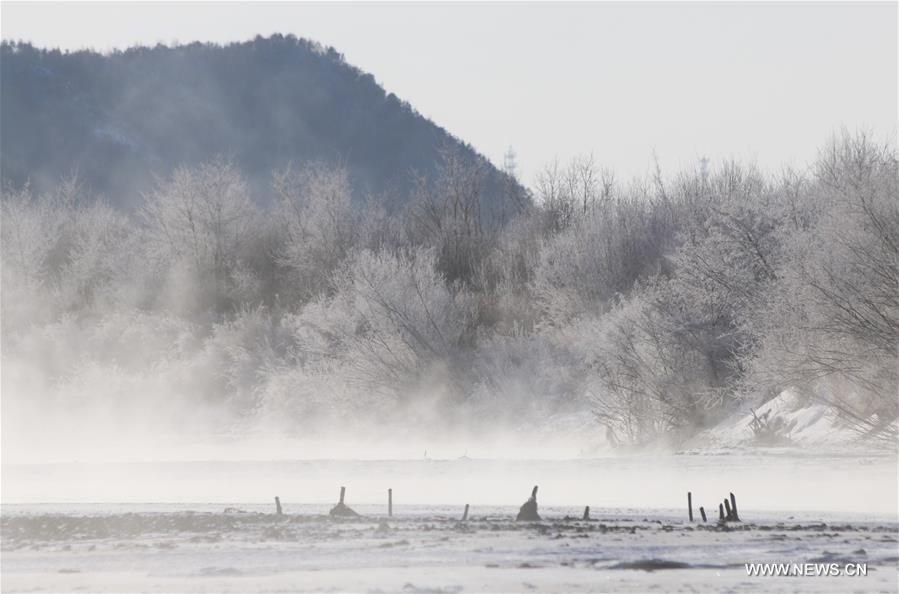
[[163, 526]]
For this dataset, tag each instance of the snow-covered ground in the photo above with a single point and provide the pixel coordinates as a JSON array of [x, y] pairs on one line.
[[427, 549], [100, 534], [791, 420]]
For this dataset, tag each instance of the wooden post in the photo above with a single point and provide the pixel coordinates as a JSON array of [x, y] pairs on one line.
[[342, 493], [389, 502], [702, 513], [720, 513], [690, 504], [729, 514], [733, 507], [587, 513], [278, 506], [465, 513]]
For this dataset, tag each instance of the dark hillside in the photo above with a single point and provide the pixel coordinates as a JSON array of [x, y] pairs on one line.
[[118, 119]]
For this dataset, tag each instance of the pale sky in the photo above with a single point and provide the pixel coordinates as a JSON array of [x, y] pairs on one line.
[[761, 81]]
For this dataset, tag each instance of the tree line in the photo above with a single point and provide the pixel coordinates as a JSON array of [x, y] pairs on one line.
[[660, 305]]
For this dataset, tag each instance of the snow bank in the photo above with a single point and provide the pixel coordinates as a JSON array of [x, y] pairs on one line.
[[787, 420]]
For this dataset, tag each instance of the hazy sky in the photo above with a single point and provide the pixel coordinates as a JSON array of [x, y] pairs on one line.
[[764, 81]]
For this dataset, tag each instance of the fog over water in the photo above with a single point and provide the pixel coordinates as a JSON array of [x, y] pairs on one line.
[[765, 483], [264, 326]]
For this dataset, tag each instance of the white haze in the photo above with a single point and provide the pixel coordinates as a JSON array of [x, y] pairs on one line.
[[628, 483]]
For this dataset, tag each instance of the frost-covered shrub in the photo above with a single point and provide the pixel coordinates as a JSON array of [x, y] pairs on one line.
[[625, 376], [770, 429], [391, 318], [647, 379], [524, 377], [600, 254], [236, 357]]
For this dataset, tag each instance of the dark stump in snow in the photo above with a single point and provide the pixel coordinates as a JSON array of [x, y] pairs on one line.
[[341, 509], [528, 511]]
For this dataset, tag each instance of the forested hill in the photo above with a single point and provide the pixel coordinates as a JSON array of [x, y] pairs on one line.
[[120, 118]]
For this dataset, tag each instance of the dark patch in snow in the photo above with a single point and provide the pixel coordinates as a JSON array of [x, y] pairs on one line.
[[651, 565]]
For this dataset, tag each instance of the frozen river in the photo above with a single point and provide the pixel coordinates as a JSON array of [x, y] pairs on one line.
[[162, 526]]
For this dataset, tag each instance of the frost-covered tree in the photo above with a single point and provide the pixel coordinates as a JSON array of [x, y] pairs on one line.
[[63, 252], [103, 251], [200, 218], [30, 228], [600, 255], [449, 214], [554, 196], [319, 221], [830, 324], [392, 318]]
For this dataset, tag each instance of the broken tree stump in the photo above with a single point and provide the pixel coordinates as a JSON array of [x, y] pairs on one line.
[[702, 513], [720, 513], [690, 504], [733, 507], [465, 513], [728, 512], [341, 509], [528, 511], [278, 506], [390, 502], [587, 513]]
